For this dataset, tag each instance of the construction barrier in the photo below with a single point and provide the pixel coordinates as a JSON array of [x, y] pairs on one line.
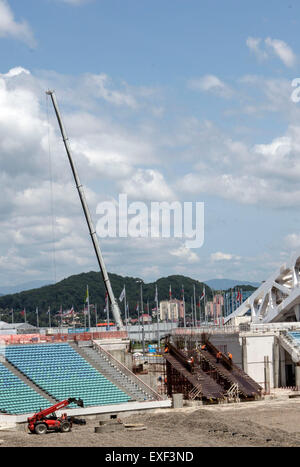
[[10, 339]]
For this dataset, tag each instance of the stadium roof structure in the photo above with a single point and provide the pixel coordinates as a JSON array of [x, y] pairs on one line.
[[276, 300]]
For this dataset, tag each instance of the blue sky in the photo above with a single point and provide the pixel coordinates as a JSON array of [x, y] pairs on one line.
[[173, 100]]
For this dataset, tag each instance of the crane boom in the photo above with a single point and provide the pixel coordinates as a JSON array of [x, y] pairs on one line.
[[113, 301]]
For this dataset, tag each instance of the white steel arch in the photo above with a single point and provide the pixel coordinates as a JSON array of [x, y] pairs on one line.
[[276, 300]]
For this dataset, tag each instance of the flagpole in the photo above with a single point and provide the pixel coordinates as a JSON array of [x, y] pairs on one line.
[[157, 318], [25, 315], [107, 311], [37, 317], [139, 324], [205, 313], [125, 308], [96, 318], [142, 310], [12, 315], [184, 318], [195, 306], [88, 302], [49, 312]]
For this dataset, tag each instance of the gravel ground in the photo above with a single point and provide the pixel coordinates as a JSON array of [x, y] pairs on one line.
[[266, 423]]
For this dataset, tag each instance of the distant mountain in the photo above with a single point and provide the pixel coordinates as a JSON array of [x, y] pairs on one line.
[[224, 284], [21, 287], [72, 292]]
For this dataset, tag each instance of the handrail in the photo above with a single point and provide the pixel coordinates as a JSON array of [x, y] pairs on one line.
[[288, 341], [127, 372]]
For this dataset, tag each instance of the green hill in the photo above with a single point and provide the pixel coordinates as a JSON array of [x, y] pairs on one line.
[[72, 292]]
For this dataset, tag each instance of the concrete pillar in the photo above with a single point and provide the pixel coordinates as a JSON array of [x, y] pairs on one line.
[[177, 401], [282, 367], [244, 354], [267, 374], [297, 312], [276, 362], [297, 376]]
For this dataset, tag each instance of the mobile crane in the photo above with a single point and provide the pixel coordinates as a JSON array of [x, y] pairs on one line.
[[46, 420]]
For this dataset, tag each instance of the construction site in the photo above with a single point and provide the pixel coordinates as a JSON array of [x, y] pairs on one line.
[[232, 384]]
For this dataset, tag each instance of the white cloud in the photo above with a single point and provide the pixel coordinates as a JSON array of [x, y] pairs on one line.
[[147, 184], [101, 83], [292, 241], [211, 83], [265, 173], [9, 27], [185, 254], [254, 45], [276, 46], [282, 50], [219, 256]]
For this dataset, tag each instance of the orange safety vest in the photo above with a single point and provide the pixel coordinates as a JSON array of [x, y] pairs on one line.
[[229, 355]]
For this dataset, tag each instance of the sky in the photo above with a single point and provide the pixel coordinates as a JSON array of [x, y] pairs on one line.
[[167, 101]]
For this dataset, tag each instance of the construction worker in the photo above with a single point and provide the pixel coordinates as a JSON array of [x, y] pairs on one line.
[[218, 356], [203, 347], [166, 349], [229, 355], [191, 362]]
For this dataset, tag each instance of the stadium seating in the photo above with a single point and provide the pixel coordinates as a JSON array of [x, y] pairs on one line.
[[62, 373], [295, 335], [16, 397]]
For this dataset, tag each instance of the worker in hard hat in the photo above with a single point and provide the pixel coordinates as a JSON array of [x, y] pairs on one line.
[[191, 362], [218, 356]]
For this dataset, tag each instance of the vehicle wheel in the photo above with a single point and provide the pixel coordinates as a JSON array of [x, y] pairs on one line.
[[65, 427], [40, 429]]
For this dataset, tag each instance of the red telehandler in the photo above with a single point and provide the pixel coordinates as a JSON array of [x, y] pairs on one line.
[[46, 420]]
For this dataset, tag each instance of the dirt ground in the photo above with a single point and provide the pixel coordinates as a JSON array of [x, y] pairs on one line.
[[266, 423]]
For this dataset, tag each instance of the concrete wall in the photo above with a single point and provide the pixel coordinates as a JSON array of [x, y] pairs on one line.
[[259, 347]]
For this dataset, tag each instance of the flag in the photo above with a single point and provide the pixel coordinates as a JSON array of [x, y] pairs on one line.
[[239, 297], [106, 296], [22, 312], [48, 310], [170, 292], [87, 294], [182, 292], [203, 294], [156, 295], [121, 298], [137, 307]]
